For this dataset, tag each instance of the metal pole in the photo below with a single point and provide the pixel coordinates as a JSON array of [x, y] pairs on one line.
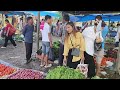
[[38, 29]]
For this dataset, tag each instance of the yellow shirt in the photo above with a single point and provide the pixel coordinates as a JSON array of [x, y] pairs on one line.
[[78, 40]]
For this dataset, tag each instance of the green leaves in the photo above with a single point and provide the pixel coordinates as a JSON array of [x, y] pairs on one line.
[[62, 72], [56, 46]]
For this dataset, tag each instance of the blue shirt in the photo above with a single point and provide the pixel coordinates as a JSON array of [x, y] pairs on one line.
[[28, 33], [104, 33]]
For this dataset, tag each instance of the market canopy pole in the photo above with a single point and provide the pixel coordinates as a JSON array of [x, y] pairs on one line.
[[38, 29]]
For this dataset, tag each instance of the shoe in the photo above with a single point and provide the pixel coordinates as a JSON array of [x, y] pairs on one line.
[[28, 61], [3, 47], [42, 65], [15, 46], [47, 66]]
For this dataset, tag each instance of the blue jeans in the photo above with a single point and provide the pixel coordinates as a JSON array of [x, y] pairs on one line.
[[45, 47]]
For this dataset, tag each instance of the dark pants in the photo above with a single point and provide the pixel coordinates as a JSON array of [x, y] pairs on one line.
[[28, 50], [91, 65], [61, 57], [11, 39], [69, 61]]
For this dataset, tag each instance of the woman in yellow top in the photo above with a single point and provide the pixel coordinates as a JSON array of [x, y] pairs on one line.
[[73, 39]]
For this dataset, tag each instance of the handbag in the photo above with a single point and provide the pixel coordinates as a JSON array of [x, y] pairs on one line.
[[97, 46], [51, 55], [75, 51], [83, 68]]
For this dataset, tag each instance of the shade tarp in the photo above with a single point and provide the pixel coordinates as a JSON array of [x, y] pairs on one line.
[[106, 17], [43, 13]]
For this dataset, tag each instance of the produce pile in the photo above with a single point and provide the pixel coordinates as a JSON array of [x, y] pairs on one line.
[[112, 53], [62, 72], [105, 59], [26, 74], [19, 38], [6, 70], [56, 46]]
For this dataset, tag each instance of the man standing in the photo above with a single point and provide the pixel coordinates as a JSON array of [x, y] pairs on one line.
[[28, 34], [103, 28], [62, 35], [46, 41]]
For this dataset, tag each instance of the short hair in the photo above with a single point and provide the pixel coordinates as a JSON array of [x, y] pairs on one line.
[[98, 17], [47, 17], [66, 17], [6, 20], [28, 18]]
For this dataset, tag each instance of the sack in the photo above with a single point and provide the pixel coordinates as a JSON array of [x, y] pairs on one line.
[[39, 52], [12, 30], [51, 56], [97, 46], [75, 52], [83, 68]]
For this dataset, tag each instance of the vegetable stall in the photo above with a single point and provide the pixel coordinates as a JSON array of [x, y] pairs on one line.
[[7, 71]]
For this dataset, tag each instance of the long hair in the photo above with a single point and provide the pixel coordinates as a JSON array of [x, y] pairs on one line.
[[73, 32]]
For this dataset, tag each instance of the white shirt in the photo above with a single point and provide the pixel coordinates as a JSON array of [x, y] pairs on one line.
[[99, 26], [45, 32], [90, 36], [117, 36]]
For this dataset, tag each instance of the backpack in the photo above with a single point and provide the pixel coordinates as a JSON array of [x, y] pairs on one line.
[[12, 30]]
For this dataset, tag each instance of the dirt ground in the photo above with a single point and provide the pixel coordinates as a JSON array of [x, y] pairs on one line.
[[16, 56]]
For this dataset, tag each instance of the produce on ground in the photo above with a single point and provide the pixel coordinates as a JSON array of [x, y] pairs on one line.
[[6, 70], [105, 59], [111, 53], [26, 74], [62, 72]]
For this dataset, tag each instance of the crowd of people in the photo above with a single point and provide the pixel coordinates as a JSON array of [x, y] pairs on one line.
[[88, 41], [83, 39]]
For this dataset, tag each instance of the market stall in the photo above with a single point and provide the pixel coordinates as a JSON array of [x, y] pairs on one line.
[[8, 71]]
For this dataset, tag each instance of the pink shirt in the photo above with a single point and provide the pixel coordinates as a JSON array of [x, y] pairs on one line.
[[42, 25]]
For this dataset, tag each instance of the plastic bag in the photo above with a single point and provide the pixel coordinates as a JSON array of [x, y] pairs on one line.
[[83, 68], [51, 56]]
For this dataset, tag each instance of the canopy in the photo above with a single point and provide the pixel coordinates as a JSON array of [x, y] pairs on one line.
[[43, 13], [105, 17]]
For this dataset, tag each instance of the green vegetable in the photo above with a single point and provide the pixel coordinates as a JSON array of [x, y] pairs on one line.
[[62, 72], [56, 46]]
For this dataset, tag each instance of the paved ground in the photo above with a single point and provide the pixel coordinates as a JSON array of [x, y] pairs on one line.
[[16, 56]]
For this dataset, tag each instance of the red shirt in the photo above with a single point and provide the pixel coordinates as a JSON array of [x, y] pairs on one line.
[[7, 27]]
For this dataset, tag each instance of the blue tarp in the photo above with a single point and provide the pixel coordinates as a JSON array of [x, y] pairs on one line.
[[43, 13], [106, 17]]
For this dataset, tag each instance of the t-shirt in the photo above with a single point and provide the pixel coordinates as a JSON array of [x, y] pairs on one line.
[[42, 25], [63, 32], [45, 31], [117, 36], [104, 34], [89, 36], [28, 33], [7, 27]]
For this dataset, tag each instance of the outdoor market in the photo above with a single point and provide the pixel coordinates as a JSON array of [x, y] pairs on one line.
[[59, 45]]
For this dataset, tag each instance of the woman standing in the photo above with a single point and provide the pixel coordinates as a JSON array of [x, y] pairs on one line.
[[73, 39]]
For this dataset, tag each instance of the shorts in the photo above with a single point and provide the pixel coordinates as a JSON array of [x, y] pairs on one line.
[[45, 47], [99, 56]]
